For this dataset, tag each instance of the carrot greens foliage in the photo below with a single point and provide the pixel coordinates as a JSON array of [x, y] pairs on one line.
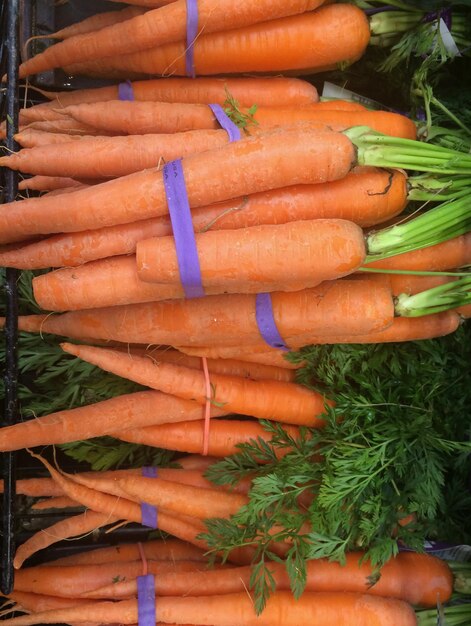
[[398, 434]]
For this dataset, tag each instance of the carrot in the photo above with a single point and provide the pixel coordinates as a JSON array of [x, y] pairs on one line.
[[464, 311], [225, 435], [315, 41], [406, 283], [307, 252], [59, 502], [264, 399], [261, 90], [69, 527], [140, 118], [160, 26], [275, 157], [326, 308], [440, 257], [99, 21], [433, 580], [63, 124], [74, 580], [109, 157], [365, 196], [143, 408], [48, 183], [35, 603], [31, 138], [235, 367], [322, 609], [157, 550], [263, 356]]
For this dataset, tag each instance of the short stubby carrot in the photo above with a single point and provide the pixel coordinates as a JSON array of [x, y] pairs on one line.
[[281, 157], [160, 26], [276, 400], [354, 307], [315, 41], [300, 251], [111, 157]]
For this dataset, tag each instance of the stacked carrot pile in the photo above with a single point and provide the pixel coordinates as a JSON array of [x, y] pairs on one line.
[[283, 214]]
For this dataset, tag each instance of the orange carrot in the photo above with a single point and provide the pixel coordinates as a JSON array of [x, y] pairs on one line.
[[225, 435], [254, 164], [432, 577], [157, 550], [322, 609], [69, 527], [306, 252], [140, 118], [160, 26], [365, 196], [440, 257], [326, 309], [265, 356], [31, 138], [315, 41], [265, 91], [48, 183], [99, 21], [35, 603], [59, 502], [235, 367], [110, 157], [265, 399], [74, 580], [143, 408]]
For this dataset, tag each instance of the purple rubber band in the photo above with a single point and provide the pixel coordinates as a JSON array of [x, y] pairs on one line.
[[266, 322], [148, 511], [445, 14], [126, 91], [146, 600], [183, 233], [191, 33], [226, 123]]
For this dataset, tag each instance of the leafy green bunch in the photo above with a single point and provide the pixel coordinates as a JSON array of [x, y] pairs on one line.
[[389, 467]]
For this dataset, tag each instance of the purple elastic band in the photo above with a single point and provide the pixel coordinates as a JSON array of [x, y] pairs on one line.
[[445, 14], [146, 600], [226, 123], [126, 91], [149, 512], [191, 33], [266, 322], [183, 233]]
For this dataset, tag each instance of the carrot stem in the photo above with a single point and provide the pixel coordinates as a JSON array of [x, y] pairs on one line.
[[445, 221], [425, 187], [448, 296], [458, 615], [462, 577], [379, 150]]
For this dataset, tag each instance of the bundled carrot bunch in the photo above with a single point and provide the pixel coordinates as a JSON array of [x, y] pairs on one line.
[[286, 199]]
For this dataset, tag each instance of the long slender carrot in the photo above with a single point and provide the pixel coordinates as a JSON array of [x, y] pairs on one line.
[[160, 26], [72, 581], [31, 138], [59, 502], [143, 408], [188, 436], [254, 164], [432, 580], [140, 118], [99, 21], [266, 91], [322, 609], [279, 401], [366, 196], [110, 157], [326, 308], [315, 41], [156, 549], [35, 602], [265, 356], [69, 527], [48, 183]]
